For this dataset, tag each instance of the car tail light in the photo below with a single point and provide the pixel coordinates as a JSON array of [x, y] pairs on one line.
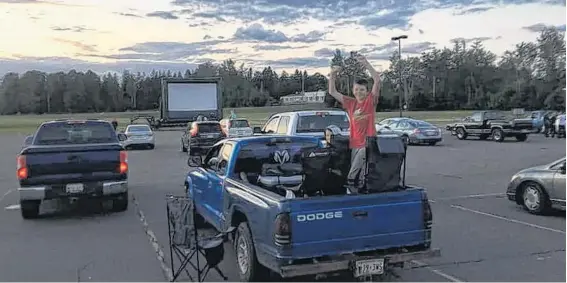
[[282, 229], [22, 168], [123, 166], [195, 131]]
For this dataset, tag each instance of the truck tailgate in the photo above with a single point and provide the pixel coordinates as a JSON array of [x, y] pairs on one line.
[[355, 223], [71, 162]]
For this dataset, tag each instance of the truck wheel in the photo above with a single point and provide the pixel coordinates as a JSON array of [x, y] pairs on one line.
[[498, 135], [183, 148], [249, 269], [120, 202], [30, 208], [521, 137], [461, 134]]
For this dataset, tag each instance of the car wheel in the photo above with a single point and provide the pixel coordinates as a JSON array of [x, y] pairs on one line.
[[249, 269], [30, 208], [120, 202], [522, 137], [461, 134], [534, 198], [498, 135], [151, 146]]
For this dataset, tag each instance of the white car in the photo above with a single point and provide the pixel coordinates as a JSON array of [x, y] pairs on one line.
[[139, 136], [236, 128]]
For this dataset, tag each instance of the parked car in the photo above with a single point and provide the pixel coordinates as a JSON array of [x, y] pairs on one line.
[[139, 136], [71, 160], [236, 128], [200, 136], [539, 188], [246, 183], [413, 131], [495, 124]]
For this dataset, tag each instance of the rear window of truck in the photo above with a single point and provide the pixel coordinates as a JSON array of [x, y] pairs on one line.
[[319, 122], [71, 132], [239, 124]]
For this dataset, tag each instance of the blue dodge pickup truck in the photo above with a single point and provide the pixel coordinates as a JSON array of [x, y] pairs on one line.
[[72, 160], [292, 221]]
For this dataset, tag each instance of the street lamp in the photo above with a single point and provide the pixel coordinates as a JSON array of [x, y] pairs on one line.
[[399, 39]]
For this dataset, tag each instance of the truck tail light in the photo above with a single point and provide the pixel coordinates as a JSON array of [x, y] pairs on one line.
[[22, 168], [282, 229], [123, 166]]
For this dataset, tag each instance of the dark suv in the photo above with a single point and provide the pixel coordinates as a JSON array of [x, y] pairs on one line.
[[199, 137]]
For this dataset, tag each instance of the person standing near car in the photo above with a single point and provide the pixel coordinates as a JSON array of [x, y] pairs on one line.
[[114, 124], [362, 111]]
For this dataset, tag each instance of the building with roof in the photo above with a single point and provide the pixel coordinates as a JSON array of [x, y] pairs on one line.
[[304, 97]]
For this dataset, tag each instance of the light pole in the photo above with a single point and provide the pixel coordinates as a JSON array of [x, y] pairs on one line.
[[399, 39]]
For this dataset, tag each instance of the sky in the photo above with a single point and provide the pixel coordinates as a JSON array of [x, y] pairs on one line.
[[114, 35]]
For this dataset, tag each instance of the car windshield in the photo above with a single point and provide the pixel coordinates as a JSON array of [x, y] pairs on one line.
[[318, 123], [70, 132], [209, 128], [138, 129], [239, 124]]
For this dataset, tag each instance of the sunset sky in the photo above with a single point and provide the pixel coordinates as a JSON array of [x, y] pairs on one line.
[[112, 35]]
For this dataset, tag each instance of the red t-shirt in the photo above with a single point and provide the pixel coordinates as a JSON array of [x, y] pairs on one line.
[[362, 115]]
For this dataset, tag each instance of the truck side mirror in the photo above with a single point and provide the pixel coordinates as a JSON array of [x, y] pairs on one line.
[[122, 137], [194, 161], [257, 130]]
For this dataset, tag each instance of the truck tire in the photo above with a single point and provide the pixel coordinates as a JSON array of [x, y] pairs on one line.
[[461, 134], [497, 135], [120, 202], [30, 208], [249, 269], [521, 137]]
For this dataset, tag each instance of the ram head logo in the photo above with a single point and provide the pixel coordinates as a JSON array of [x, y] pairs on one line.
[[281, 157]]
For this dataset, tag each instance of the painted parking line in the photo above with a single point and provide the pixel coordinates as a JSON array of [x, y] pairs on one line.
[[477, 196], [438, 272], [6, 194], [508, 219]]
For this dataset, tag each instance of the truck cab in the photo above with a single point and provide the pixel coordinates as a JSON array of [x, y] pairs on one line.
[[244, 183], [305, 123]]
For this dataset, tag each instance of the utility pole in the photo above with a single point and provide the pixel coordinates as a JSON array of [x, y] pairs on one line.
[[399, 39]]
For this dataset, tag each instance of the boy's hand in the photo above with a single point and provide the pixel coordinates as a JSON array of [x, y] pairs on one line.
[[335, 70]]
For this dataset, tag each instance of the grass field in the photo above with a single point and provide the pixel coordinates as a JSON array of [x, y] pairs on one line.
[[256, 115]]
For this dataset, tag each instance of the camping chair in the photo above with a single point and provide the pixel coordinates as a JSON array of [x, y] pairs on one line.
[[186, 244]]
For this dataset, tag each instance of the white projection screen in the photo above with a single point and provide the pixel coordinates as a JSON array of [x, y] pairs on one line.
[[191, 96]]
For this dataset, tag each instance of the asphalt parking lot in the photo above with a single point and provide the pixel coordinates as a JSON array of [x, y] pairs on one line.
[[482, 236]]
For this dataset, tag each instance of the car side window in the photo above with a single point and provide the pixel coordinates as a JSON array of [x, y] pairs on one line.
[[272, 125], [403, 125], [282, 126], [385, 122], [224, 157], [213, 152], [476, 117], [393, 124]]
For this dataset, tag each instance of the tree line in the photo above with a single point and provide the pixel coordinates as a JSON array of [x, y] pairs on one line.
[[464, 76]]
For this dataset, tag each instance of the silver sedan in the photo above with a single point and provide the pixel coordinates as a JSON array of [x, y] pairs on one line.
[[139, 135], [413, 131], [539, 188]]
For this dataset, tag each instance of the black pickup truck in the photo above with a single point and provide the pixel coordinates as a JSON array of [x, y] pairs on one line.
[[72, 160], [495, 124]]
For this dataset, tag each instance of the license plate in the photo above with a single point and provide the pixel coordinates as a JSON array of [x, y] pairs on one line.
[[74, 188], [369, 267]]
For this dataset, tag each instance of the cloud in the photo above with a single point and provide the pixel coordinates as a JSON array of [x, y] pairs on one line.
[[58, 64], [473, 39], [302, 62], [129, 15], [162, 14], [257, 32], [394, 19], [384, 52], [271, 47], [474, 10], [71, 29], [327, 52], [166, 51], [540, 27], [79, 45]]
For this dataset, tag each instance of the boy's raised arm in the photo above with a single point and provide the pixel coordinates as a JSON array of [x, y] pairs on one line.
[[332, 87]]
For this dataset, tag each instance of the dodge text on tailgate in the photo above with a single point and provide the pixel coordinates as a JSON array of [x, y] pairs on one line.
[[295, 218], [72, 160]]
